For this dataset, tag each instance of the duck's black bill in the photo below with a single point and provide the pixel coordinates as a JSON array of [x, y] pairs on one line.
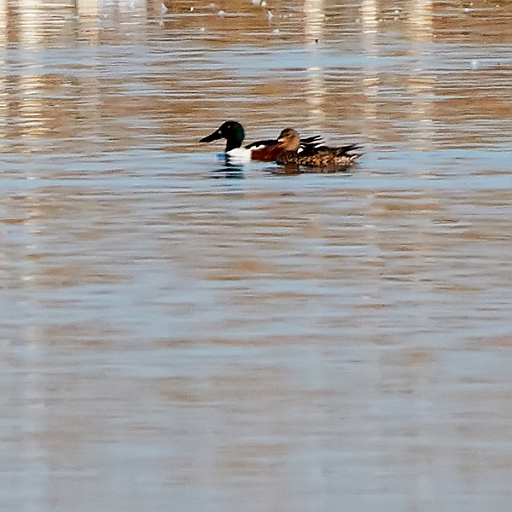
[[213, 136]]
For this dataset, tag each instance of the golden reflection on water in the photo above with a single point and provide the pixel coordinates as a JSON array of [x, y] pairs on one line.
[[418, 87], [370, 80], [177, 336], [313, 28]]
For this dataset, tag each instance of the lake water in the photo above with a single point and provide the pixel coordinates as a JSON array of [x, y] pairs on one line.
[[181, 335]]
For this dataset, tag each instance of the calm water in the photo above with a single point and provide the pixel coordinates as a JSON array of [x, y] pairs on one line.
[[178, 335]]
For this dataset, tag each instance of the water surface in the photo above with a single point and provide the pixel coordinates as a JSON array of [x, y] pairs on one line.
[[178, 334]]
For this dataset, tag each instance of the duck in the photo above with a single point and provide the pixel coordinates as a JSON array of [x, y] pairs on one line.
[[266, 150], [314, 155]]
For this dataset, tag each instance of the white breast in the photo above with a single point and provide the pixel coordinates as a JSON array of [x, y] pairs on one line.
[[239, 155]]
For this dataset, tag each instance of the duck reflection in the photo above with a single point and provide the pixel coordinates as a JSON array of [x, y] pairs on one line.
[[227, 170]]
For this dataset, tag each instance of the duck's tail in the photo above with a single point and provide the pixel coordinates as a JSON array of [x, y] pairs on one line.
[[346, 151]]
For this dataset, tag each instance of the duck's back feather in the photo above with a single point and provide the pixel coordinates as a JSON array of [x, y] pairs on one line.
[[311, 155]]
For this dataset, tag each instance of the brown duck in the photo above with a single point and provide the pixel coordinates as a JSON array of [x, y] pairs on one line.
[[314, 155]]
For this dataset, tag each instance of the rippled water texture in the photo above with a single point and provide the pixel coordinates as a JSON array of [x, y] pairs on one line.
[[181, 335]]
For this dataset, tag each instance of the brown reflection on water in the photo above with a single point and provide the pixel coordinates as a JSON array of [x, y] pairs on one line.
[[430, 98]]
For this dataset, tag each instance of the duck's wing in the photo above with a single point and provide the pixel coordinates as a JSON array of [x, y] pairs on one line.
[[317, 149], [315, 140], [345, 150], [310, 145], [264, 150], [262, 144]]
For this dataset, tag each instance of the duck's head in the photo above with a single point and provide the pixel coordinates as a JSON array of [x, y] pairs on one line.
[[289, 139], [232, 131]]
